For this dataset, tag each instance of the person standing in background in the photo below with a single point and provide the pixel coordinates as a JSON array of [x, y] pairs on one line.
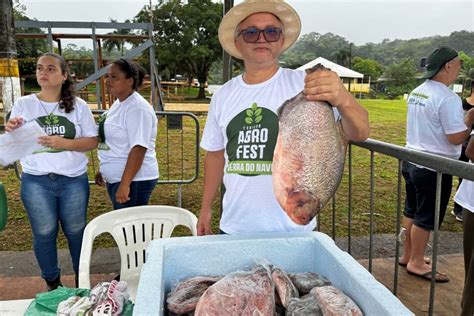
[[465, 198], [436, 124], [127, 135], [54, 183], [467, 104]]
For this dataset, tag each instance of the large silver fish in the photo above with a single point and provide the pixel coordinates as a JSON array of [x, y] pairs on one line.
[[309, 157]]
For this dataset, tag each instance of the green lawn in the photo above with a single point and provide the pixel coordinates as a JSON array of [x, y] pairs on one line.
[[387, 119]]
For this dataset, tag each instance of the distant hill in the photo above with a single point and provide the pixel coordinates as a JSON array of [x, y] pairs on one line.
[[330, 46], [388, 52]]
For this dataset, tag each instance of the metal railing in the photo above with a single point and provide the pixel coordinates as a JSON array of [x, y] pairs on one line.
[[177, 161], [441, 165]]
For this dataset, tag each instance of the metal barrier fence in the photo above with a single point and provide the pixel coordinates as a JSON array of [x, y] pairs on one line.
[[177, 161], [437, 163]]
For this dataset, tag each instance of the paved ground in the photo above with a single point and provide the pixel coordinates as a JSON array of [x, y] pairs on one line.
[[19, 274], [104, 261]]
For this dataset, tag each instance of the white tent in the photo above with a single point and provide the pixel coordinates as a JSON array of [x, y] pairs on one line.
[[343, 72]]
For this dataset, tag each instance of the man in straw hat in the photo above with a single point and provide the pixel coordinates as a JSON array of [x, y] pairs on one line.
[[435, 124], [242, 125]]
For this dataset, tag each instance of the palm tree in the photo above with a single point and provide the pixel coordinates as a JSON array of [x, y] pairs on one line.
[[342, 57], [111, 43]]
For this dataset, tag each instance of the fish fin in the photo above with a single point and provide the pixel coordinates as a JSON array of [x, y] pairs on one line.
[[318, 66], [285, 104]]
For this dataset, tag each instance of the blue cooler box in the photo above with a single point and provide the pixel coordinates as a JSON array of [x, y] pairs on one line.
[[171, 260]]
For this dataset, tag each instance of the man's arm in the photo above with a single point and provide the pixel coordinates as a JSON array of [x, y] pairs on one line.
[[213, 174], [325, 85], [470, 149], [459, 138]]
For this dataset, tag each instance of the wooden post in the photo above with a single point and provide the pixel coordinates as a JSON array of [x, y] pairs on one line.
[[226, 58], [102, 81]]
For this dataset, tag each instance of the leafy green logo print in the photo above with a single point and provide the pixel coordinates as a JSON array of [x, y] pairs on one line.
[[51, 119], [102, 118], [254, 115]]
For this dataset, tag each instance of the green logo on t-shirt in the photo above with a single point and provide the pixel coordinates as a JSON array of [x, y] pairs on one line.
[[101, 122], [252, 136], [254, 115], [56, 125]]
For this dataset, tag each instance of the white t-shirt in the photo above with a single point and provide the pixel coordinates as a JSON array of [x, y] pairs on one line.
[[76, 124], [242, 120], [127, 124], [433, 112], [465, 193]]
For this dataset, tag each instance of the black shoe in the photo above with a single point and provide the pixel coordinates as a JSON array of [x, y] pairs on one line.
[[457, 215], [54, 284]]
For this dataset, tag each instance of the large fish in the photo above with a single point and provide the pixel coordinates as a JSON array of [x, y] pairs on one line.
[[309, 156]]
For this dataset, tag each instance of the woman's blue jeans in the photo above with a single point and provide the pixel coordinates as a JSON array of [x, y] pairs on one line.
[[49, 200], [140, 192]]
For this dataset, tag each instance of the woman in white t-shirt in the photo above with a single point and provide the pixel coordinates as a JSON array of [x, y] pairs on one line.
[[127, 134], [465, 198], [54, 183]]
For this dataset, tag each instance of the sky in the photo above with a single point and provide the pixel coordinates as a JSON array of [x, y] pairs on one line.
[[359, 21]]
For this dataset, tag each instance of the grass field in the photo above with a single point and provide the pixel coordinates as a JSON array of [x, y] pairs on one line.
[[176, 153]]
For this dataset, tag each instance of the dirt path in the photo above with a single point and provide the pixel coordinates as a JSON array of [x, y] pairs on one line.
[[187, 107]]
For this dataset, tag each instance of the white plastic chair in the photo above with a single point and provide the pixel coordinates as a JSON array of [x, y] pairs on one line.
[[132, 228]]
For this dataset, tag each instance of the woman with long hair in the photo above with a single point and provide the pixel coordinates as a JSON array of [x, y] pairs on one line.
[[127, 135], [54, 183]]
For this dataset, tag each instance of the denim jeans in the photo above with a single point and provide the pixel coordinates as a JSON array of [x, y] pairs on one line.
[[49, 200], [140, 192]]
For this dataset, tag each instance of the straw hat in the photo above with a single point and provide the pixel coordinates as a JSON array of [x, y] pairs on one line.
[[287, 15]]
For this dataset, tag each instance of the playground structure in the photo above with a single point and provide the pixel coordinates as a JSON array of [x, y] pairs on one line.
[[97, 55], [179, 168]]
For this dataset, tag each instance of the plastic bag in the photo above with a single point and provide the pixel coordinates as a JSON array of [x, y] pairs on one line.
[[47, 303]]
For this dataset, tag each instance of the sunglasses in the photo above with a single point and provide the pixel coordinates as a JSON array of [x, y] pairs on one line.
[[251, 35]]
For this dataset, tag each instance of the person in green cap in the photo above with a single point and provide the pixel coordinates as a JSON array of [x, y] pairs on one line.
[[436, 124]]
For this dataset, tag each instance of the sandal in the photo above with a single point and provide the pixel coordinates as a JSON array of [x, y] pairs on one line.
[[440, 277]]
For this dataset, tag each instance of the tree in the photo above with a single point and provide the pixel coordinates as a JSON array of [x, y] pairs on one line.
[[28, 49], [466, 74], [401, 77], [186, 36], [9, 73], [83, 65], [119, 44], [311, 46], [468, 63], [369, 67], [342, 57]]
